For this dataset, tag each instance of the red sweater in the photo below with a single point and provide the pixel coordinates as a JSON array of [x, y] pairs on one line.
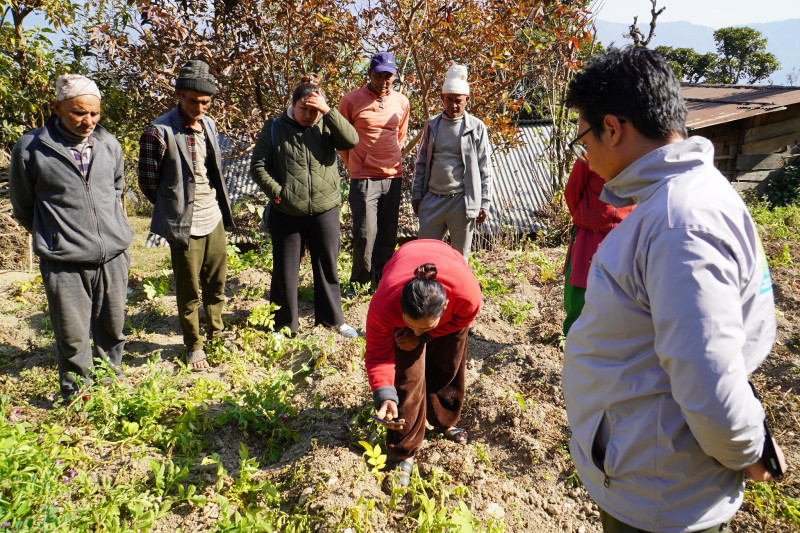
[[385, 315], [592, 217]]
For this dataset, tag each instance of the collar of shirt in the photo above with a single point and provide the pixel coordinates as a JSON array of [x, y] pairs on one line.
[[186, 125]]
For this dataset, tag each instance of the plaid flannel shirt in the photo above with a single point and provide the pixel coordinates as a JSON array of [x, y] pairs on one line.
[[151, 152], [83, 156]]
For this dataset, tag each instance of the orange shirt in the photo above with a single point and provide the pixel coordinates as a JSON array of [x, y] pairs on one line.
[[382, 127]]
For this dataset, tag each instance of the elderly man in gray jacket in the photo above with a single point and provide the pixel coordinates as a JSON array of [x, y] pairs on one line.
[[452, 183], [66, 185]]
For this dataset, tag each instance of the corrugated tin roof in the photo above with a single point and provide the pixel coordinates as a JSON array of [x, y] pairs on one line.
[[237, 171], [716, 104], [522, 185]]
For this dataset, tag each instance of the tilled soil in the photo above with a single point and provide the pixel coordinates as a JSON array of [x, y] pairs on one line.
[[516, 468]]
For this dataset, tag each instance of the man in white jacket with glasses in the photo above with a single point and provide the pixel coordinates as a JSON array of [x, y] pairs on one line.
[[679, 311]]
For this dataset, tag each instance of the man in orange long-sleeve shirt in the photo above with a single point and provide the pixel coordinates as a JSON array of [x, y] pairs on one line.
[[380, 116]]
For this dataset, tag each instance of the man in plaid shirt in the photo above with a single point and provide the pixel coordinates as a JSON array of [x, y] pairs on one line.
[[66, 184], [180, 172]]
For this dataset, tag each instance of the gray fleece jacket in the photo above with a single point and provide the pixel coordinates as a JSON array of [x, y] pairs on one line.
[[72, 219], [476, 153], [679, 311]]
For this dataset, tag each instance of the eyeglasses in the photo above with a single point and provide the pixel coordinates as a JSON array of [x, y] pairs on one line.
[[578, 148]]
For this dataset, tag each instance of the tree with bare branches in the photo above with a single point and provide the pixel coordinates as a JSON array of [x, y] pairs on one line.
[[636, 34]]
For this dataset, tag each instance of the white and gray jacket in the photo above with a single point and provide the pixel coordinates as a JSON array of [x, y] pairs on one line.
[[679, 311], [476, 154]]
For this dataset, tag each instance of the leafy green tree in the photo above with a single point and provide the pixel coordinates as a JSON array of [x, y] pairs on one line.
[[688, 65], [28, 65], [741, 55]]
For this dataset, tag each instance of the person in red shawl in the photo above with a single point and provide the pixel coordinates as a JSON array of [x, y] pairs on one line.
[[417, 331], [592, 219]]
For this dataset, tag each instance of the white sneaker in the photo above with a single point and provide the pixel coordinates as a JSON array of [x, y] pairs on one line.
[[348, 331]]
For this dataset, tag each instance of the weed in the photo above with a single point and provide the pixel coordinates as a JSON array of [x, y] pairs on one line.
[[375, 457], [770, 503], [264, 407], [779, 223], [156, 286], [263, 315], [782, 259], [149, 319], [239, 261], [252, 293], [785, 189], [572, 479], [362, 427], [481, 454], [20, 288], [515, 312], [491, 284], [306, 292]]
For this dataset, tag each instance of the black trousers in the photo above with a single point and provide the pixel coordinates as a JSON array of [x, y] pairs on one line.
[[290, 235], [86, 301], [375, 204]]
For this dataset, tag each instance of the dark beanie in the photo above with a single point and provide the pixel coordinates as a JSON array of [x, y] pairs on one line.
[[194, 76]]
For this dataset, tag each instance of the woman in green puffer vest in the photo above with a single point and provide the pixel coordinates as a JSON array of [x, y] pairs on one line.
[[294, 163]]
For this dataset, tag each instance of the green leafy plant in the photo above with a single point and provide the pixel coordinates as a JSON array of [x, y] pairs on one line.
[[772, 504], [784, 190], [239, 261], [263, 315], [782, 259], [156, 286], [515, 312], [491, 284], [264, 407], [375, 456]]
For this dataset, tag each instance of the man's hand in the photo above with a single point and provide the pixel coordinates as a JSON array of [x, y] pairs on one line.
[[405, 339], [388, 410], [758, 470], [483, 215], [415, 206]]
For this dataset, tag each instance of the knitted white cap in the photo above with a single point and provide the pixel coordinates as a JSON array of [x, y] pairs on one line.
[[455, 82], [72, 85]]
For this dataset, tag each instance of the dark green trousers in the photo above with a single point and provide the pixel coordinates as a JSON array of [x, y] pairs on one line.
[[612, 525], [574, 297], [204, 266]]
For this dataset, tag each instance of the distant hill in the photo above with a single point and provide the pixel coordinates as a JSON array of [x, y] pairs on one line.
[[782, 39]]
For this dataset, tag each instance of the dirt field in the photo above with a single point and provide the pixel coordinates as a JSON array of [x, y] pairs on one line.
[[517, 468]]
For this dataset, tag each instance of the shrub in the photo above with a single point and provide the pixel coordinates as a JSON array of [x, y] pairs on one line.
[[785, 189]]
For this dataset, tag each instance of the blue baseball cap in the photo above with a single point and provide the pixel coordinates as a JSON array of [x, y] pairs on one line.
[[383, 62]]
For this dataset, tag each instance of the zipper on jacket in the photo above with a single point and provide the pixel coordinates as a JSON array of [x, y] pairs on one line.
[[308, 167], [606, 481], [96, 219]]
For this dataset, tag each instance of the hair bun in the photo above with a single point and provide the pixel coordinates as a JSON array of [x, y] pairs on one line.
[[426, 271], [311, 77]]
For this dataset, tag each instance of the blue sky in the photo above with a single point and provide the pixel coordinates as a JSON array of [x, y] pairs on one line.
[[714, 13]]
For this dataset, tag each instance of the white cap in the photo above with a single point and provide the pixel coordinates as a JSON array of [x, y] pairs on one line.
[[455, 82], [72, 85]]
